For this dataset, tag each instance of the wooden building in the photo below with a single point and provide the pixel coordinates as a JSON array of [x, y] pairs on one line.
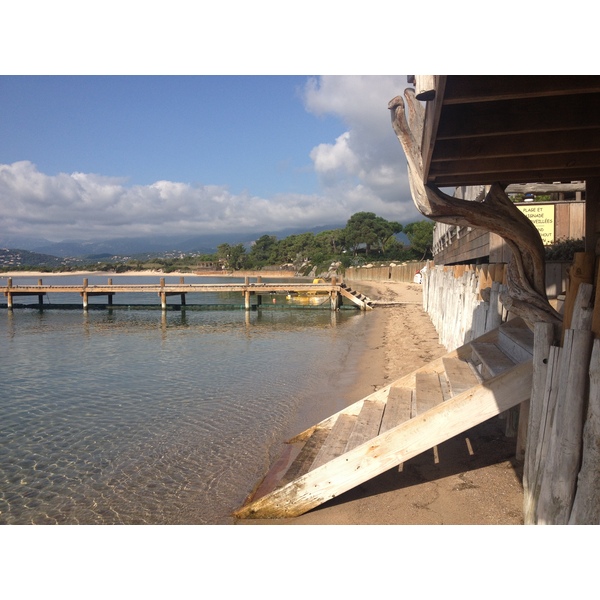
[[522, 133]]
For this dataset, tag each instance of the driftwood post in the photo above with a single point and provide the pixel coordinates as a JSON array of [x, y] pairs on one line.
[[526, 295]]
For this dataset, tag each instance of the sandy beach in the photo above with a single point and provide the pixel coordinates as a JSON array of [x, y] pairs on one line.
[[476, 483]]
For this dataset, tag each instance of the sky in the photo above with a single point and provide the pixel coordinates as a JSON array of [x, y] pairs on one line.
[[97, 157], [202, 119]]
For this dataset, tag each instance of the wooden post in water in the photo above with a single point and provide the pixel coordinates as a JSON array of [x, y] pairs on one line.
[[40, 296], [335, 300], [9, 298], [110, 296], [84, 294], [182, 281], [163, 295], [247, 305], [258, 296]]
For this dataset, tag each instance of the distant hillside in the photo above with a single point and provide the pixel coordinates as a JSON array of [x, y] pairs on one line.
[[154, 245], [10, 259]]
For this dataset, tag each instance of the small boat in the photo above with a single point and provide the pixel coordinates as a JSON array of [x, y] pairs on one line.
[[315, 297]]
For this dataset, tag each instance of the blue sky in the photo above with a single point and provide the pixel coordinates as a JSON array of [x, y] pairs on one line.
[[90, 157], [100, 136]]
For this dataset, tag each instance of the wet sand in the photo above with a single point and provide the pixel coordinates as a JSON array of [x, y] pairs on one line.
[[475, 482]]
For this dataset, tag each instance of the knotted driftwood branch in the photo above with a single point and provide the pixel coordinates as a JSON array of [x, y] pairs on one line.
[[526, 296]]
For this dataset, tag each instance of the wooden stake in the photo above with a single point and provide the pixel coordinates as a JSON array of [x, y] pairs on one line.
[[581, 271], [535, 420], [564, 454], [596, 317], [586, 507]]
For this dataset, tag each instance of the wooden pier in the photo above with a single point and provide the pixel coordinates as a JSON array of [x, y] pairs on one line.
[[333, 290]]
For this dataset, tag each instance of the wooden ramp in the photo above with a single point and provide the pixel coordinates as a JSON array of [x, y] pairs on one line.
[[363, 302], [412, 415]]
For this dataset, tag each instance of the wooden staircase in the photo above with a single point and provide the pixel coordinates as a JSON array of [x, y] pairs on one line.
[[411, 415], [362, 301]]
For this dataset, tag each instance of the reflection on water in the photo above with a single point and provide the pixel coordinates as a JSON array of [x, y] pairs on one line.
[[148, 417]]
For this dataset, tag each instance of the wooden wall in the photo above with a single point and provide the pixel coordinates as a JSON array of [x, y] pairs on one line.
[[404, 272]]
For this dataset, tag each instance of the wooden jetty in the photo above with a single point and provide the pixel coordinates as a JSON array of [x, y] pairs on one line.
[[334, 290], [412, 415]]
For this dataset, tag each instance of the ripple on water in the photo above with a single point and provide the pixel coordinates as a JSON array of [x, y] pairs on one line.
[[137, 418]]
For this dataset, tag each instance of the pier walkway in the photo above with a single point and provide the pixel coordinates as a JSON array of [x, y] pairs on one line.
[[332, 290]]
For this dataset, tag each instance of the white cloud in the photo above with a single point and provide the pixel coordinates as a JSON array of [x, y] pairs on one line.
[[363, 169], [367, 157], [337, 157], [89, 206]]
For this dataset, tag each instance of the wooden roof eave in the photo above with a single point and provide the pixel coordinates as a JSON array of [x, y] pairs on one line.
[[433, 111]]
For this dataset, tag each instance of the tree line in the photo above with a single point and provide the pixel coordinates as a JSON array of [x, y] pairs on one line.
[[365, 237]]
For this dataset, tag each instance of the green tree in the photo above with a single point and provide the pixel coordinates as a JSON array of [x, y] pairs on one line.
[[369, 229], [233, 256], [263, 251], [420, 236]]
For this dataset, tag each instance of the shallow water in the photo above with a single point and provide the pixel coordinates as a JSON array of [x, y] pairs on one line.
[[144, 416]]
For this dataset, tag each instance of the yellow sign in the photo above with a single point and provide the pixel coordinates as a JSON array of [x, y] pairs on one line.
[[542, 216]]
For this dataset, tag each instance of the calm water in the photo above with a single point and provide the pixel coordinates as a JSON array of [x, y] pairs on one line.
[[139, 416]]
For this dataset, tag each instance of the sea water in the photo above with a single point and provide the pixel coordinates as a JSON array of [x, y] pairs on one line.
[[132, 415]]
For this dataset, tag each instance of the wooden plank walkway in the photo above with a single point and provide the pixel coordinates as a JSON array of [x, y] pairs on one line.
[[410, 416], [335, 291]]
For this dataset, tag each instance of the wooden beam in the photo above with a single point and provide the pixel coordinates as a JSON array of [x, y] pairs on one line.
[[485, 88], [592, 215], [433, 111], [521, 144], [528, 115]]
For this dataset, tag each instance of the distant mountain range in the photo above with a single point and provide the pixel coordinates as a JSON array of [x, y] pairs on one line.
[[203, 244]]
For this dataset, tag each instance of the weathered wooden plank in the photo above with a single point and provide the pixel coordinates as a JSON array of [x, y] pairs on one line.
[[367, 424], [577, 220], [397, 408], [582, 313], [564, 454], [460, 375], [306, 457], [493, 360], [494, 315], [516, 342], [562, 222], [428, 392], [544, 335], [395, 446], [336, 441], [596, 316], [586, 506], [581, 271], [445, 387], [550, 395]]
